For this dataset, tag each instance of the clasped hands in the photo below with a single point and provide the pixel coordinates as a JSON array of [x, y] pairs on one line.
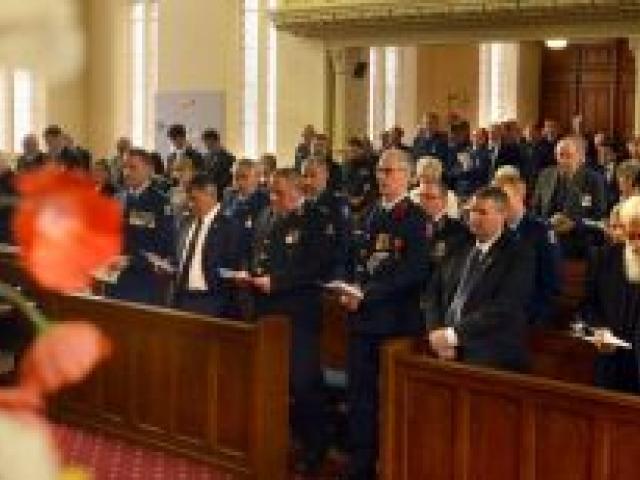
[[440, 344], [561, 223], [245, 279]]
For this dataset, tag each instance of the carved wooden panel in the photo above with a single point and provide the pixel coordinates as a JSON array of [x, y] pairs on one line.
[[446, 420], [213, 389], [596, 80]]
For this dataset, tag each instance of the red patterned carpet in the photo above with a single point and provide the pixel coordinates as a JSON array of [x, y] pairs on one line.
[[109, 458]]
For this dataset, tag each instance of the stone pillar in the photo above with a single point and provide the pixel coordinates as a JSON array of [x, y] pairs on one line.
[[634, 45]]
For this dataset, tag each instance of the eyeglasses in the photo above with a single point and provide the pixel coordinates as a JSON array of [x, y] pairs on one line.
[[388, 170]]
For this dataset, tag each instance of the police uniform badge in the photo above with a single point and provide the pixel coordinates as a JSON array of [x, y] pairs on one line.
[[292, 237], [587, 201], [329, 230], [439, 249], [383, 242], [139, 218], [248, 223]]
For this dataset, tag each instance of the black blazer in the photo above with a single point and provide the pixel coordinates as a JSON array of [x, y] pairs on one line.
[[492, 327], [222, 249]]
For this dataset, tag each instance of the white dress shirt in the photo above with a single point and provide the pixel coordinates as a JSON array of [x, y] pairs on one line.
[[196, 280]]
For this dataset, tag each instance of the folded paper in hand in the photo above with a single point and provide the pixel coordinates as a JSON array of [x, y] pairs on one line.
[[111, 273], [231, 274], [158, 262], [609, 338], [345, 288]]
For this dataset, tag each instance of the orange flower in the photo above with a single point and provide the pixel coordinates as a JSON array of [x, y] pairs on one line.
[[63, 355], [65, 228]]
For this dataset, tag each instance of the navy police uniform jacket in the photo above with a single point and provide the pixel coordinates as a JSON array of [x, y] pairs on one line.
[[392, 271], [246, 210], [149, 227], [539, 235], [334, 209]]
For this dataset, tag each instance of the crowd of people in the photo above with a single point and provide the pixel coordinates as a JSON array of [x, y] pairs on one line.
[[457, 237]]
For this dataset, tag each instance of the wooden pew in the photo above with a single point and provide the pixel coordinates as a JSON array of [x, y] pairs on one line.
[[212, 389], [446, 420]]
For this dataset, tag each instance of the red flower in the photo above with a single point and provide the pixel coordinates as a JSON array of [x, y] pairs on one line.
[[63, 355], [65, 228]]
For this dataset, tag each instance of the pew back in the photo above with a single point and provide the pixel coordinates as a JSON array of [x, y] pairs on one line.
[[213, 389], [446, 420]]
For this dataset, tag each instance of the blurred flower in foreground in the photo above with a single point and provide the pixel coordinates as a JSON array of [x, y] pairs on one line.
[[65, 228], [25, 453], [63, 355]]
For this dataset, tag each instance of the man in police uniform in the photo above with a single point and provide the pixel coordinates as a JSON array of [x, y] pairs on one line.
[[360, 185], [246, 201], [335, 208], [535, 231], [391, 274], [148, 229], [291, 257], [445, 235]]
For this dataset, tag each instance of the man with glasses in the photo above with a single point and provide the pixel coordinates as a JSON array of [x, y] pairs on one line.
[[384, 302]]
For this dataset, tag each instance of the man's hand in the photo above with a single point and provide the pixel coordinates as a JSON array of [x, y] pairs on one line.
[[446, 353], [350, 302], [438, 340], [262, 283], [561, 223]]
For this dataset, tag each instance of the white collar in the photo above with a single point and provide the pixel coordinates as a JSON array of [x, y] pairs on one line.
[[388, 206], [484, 247], [138, 191], [211, 214]]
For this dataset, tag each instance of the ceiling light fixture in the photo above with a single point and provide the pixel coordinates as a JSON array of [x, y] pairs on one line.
[[556, 44]]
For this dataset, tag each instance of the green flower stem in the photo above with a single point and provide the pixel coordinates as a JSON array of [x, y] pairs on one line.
[[25, 306]]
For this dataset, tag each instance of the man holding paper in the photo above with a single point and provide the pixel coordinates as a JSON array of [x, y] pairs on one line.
[[292, 254], [148, 229], [385, 300], [210, 245], [613, 303]]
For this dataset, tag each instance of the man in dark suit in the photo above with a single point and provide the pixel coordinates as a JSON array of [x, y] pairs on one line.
[[475, 302], [210, 244], [429, 140], [303, 149], [217, 162], [613, 303], [335, 208], [321, 148], [291, 257], [390, 276], [445, 235], [31, 155], [533, 230], [177, 135], [148, 229], [503, 148], [572, 197]]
